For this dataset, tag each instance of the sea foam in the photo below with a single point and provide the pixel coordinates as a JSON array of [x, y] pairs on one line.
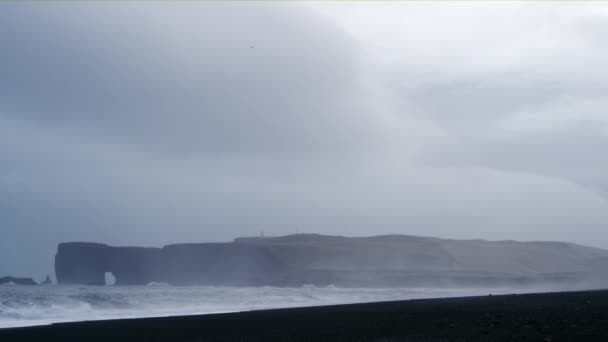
[[38, 305]]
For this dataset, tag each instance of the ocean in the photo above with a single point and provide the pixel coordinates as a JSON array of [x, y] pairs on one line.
[[38, 305]]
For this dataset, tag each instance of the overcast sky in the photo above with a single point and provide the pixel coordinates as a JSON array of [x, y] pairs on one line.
[[155, 123]]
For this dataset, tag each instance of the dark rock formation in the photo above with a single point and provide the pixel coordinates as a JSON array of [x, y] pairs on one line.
[[87, 264], [395, 260], [17, 281], [184, 264]]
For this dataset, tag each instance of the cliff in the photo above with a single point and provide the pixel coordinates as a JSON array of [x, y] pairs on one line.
[[183, 264], [395, 260]]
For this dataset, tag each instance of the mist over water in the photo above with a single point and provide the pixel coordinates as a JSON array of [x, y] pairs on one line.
[[28, 305]]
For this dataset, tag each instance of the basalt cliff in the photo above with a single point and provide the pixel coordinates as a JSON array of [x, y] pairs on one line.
[[383, 261]]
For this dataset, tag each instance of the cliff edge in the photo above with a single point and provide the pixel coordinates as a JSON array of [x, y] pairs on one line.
[[294, 260]]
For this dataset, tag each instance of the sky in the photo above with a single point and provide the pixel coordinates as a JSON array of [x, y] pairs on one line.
[[150, 123]]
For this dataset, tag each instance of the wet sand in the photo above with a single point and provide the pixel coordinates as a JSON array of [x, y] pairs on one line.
[[565, 316]]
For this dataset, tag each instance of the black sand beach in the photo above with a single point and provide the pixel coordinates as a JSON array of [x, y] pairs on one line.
[[566, 316]]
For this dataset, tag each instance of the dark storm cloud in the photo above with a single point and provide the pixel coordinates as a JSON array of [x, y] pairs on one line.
[[146, 124], [153, 123], [223, 80]]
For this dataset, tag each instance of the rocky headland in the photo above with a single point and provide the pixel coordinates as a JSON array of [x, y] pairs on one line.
[[377, 261]]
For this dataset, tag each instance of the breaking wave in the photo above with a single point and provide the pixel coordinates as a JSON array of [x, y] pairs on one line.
[[37, 305]]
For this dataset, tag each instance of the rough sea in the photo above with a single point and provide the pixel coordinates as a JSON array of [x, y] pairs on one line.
[[37, 305]]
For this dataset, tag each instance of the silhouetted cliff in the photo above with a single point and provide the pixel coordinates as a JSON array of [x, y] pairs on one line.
[[87, 263], [183, 264], [395, 260]]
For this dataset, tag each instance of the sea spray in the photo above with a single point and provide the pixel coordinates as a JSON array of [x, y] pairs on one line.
[[36, 305]]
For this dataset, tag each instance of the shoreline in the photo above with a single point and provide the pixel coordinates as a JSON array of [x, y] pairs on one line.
[[553, 316]]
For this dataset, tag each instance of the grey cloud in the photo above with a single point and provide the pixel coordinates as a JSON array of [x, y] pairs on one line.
[[226, 79], [150, 124], [153, 123], [536, 129], [537, 110]]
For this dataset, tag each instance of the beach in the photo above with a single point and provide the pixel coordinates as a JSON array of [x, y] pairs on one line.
[[558, 316]]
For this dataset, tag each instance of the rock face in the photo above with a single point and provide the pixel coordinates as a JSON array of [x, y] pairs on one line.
[[184, 264], [87, 263], [17, 281], [395, 260]]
